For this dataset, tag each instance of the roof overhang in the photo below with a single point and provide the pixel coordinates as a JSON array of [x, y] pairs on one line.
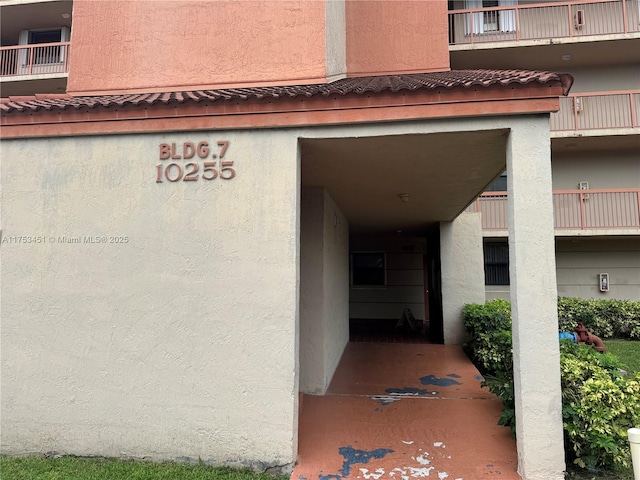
[[461, 93]]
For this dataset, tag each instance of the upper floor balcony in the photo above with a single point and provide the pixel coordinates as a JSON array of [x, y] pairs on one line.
[[597, 114], [30, 61], [35, 46], [569, 21], [576, 212]]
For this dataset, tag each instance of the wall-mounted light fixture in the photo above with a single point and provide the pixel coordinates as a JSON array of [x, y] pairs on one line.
[[604, 282]]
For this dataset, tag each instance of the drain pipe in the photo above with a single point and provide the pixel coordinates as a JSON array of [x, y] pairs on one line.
[[634, 442]]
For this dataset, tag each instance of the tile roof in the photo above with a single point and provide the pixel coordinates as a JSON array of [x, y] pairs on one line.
[[358, 85]]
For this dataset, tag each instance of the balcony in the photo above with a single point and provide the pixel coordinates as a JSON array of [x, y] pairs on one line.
[[576, 212], [34, 60], [602, 113], [584, 20]]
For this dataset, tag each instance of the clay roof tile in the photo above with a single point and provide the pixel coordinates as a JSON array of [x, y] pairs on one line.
[[357, 85]]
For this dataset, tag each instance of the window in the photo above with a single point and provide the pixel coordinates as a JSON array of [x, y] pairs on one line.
[[499, 184], [496, 263], [368, 269], [493, 21], [47, 54]]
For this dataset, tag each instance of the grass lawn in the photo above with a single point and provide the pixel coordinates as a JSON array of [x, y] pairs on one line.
[[628, 351], [73, 468]]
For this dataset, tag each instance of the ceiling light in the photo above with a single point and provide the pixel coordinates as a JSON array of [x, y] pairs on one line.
[[404, 197], [66, 15], [566, 57]]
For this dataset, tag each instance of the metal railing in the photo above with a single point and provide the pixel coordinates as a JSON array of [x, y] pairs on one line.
[[573, 209], [586, 111], [37, 59], [570, 19]]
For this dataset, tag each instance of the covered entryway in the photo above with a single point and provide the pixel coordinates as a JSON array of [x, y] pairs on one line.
[[393, 191], [404, 412]]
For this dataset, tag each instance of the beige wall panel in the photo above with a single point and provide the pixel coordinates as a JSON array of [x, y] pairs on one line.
[[400, 294], [124, 347], [612, 78], [403, 261], [384, 311], [389, 243], [405, 278], [621, 292], [336, 286], [603, 169], [462, 271], [598, 259], [311, 290]]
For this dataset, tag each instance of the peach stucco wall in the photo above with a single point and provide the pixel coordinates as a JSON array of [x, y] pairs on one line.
[[396, 36], [147, 46]]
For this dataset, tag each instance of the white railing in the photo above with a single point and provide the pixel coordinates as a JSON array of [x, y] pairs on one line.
[[570, 19], [37, 59], [573, 209]]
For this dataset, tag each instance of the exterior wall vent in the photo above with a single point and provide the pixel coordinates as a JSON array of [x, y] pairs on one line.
[[579, 18]]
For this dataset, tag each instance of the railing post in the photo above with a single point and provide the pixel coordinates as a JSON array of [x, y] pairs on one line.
[[625, 19], [575, 113], [517, 23], [638, 199], [569, 19], [583, 216], [634, 114], [30, 61]]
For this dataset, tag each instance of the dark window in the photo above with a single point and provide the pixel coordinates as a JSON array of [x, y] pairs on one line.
[[45, 36], [368, 269], [496, 263], [498, 185], [45, 55]]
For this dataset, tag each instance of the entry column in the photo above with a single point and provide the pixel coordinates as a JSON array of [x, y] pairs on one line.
[[536, 357]]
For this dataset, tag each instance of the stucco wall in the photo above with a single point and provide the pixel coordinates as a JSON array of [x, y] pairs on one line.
[[175, 336], [396, 37], [336, 286], [602, 169], [612, 78], [462, 271], [579, 261], [195, 44], [335, 39], [324, 287], [404, 275]]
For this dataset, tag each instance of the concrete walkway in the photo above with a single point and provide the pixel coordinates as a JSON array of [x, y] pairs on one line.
[[401, 412]]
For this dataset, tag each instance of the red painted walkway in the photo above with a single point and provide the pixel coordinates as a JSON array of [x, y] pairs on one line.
[[404, 412]]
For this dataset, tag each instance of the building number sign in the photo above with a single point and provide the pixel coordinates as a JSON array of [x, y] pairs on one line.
[[203, 161]]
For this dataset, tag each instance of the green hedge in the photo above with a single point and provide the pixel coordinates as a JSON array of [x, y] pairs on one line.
[[604, 318], [599, 405]]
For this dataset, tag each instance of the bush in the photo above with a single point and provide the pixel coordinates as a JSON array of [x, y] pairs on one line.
[[599, 405], [604, 318]]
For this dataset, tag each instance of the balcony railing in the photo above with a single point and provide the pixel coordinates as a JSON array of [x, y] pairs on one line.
[[588, 111], [37, 59], [573, 209], [572, 19]]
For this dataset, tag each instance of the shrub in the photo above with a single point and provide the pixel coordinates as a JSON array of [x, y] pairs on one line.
[[599, 405], [604, 318]]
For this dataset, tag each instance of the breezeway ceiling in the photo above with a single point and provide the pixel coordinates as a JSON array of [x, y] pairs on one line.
[[441, 172]]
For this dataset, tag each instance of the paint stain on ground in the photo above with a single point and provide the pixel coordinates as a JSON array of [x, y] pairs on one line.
[[453, 375], [409, 391], [354, 457], [479, 377], [329, 477], [385, 400], [440, 382]]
